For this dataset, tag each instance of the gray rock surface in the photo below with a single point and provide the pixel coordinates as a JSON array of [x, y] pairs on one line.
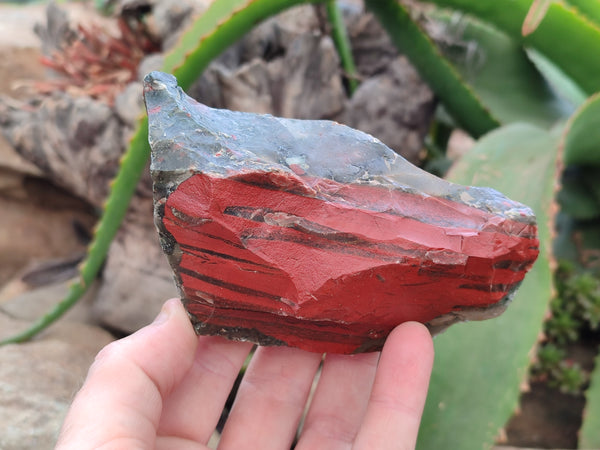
[[136, 280], [76, 142], [29, 304], [288, 67], [395, 107], [39, 379]]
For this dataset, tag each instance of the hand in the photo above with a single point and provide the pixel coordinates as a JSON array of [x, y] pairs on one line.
[[164, 388]]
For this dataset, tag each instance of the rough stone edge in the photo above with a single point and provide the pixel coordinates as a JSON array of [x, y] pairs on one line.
[[441, 323]]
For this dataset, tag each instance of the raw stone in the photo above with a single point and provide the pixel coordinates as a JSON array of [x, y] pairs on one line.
[[314, 235]]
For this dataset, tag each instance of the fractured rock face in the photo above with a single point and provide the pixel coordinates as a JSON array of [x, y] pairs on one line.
[[314, 235]]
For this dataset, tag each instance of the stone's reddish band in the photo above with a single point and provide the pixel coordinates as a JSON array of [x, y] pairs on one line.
[[357, 272], [310, 234]]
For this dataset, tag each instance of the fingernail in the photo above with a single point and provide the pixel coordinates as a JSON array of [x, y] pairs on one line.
[[164, 314]]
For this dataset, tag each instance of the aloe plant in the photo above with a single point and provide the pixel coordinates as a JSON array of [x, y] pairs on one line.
[[562, 29], [480, 366], [518, 98], [342, 43], [410, 39], [589, 436]]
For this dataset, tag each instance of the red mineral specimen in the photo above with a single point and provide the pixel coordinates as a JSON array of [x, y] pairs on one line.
[[314, 235]]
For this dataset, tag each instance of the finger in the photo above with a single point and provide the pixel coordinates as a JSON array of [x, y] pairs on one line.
[[271, 399], [340, 401], [120, 402], [194, 408], [399, 391]]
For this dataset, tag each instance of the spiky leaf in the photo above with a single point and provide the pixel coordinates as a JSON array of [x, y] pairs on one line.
[[480, 366], [589, 435], [500, 72], [458, 98], [564, 35], [582, 135]]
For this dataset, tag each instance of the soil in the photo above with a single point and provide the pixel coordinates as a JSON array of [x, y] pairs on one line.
[[549, 418]]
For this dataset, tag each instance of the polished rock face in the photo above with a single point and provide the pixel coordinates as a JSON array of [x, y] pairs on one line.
[[314, 235]]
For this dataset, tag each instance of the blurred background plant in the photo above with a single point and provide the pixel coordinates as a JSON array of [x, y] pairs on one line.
[[575, 313]]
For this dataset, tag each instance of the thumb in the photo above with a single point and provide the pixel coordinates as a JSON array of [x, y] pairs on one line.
[[121, 400]]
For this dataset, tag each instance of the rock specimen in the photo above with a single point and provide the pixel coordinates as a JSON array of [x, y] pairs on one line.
[[314, 235]]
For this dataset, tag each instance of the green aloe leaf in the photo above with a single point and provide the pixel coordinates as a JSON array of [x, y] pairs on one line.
[[582, 135], [339, 34], [589, 8], [203, 26], [500, 73], [535, 15], [560, 82], [589, 435], [565, 36], [479, 366], [458, 98]]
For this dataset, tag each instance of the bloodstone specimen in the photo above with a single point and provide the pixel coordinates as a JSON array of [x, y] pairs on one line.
[[314, 235]]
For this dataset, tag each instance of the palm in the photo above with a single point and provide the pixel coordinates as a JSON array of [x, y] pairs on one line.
[[165, 388]]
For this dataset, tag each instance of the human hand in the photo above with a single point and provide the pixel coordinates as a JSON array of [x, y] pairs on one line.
[[163, 387]]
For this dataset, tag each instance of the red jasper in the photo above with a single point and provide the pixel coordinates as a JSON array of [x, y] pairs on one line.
[[314, 235]]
